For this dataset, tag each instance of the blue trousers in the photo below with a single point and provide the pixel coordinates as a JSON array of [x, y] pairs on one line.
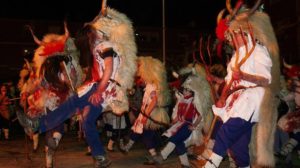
[[234, 135], [67, 110], [148, 138], [178, 139], [49, 134]]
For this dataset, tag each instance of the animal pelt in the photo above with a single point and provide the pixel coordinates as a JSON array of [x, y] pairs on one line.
[[262, 142], [117, 27], [202, 99], [49, 82], [151, 70]]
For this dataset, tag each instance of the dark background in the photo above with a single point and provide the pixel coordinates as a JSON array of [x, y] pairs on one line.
[[201, 13]]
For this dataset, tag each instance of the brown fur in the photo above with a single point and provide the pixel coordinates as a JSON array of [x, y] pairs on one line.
[[263, 140]]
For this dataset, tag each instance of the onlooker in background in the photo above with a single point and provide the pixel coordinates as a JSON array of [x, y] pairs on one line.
[[4, 111]]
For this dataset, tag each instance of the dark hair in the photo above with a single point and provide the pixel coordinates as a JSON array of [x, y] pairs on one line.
[[84, 38]]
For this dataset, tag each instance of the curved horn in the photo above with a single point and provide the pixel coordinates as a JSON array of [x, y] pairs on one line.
[[175, 74], [228, 6], [67, 34], [236, 9], [104, 7], [220, 16], [286, 65], [250, 12], [36, 40]]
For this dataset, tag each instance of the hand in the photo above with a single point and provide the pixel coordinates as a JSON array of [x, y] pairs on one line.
[[237, 74], [96, 98], [192, 127], [220, 103]]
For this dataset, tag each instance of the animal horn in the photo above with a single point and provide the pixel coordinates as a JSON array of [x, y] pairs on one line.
[[286, 65], [250, 12], [67, 34], [236, 9], [36, 40], [104, 8], [175, 74], [228, 6], [220, 16]]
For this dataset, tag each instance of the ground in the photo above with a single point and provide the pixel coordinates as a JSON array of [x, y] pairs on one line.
[[17, 153]]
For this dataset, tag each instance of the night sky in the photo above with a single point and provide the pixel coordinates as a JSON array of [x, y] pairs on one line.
[[141, 12]]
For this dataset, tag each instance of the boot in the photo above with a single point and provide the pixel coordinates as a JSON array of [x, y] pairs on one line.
[[125, 149], [158, 159], [101, 162], [213, 161], [288, 148], [30, 125]]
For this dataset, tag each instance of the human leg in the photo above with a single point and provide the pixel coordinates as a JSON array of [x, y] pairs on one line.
[[52, 138], [227, 135], [92, 136]]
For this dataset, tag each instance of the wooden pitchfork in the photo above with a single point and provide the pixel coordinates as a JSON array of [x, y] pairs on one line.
[[226, 90]]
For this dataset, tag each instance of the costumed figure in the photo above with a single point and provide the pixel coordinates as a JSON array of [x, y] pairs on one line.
[[191, 116], [50, 82], [116, 125], [5, 112], [109, 39], [249, 96], [290, 122], [153, 114]]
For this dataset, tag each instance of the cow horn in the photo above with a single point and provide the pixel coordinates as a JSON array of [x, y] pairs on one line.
[[220, 16], [67, 34], [104, 8], [36, 40], [250, 12]]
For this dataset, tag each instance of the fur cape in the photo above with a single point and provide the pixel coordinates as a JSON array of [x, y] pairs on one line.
[[203, 100], [118, 28], [40, 97], [152, 70], [263, 133]]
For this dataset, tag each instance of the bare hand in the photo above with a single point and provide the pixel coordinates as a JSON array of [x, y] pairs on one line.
[[192, 127], [237, 74], [96, 98], [220, 103]]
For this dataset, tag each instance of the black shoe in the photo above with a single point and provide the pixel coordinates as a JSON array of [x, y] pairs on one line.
[[88, 154], [110, 150], [149, 160], [158, 159], [101, 162], [124, 151], [30, 125]]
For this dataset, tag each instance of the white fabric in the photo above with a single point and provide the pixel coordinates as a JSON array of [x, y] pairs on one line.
[[168, 149], [215, 159], [116, 121], [99, 49], [247, 101], [138, 125], [184, 160]]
